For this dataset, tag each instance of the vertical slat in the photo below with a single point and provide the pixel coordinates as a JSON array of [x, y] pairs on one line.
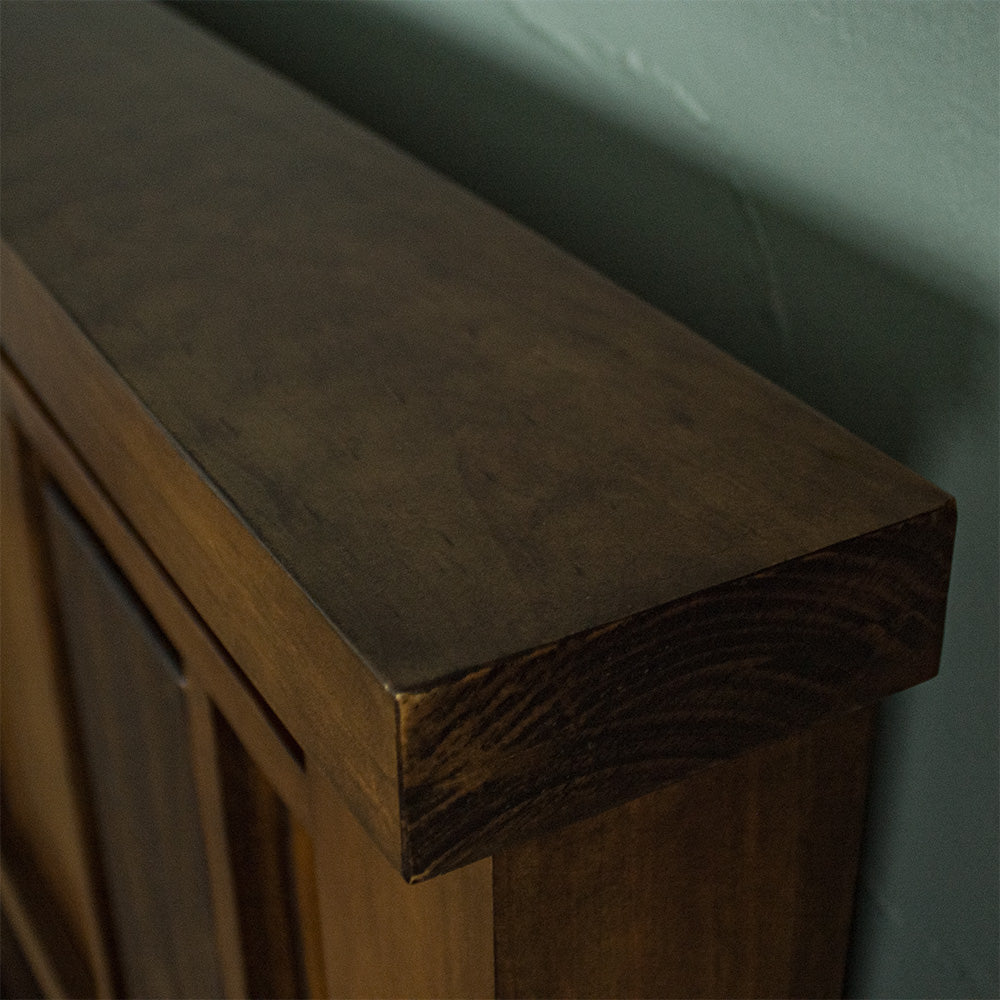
[[41, 790], [736, 882], [129, 695], [221, 874], [304, 874], [259, 828], [384, 938]]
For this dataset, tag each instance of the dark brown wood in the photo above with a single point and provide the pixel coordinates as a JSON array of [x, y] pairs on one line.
[[35, 915], [532, 743], [129, 695], [737, 882], [307, 902], [41, 790], [460, 441], [259, 829], [18, 979], [428, 479]]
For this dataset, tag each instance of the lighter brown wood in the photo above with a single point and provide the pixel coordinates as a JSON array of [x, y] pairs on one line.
[[40, 789], [310, 921], [202, 653], [204, 662], [737, 882], [383, 938]]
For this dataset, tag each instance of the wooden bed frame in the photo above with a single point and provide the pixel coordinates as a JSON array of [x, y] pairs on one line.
[[392, 606]]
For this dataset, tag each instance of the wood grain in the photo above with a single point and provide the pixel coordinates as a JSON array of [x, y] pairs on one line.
[[498, 544], [42, 790], [383, 938], [462, 443], [737, 882], [128, 691], [531, 743]]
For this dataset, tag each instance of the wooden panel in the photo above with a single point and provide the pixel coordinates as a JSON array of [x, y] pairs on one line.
[[307, 898], [207, 669], [384, 938], [128, 691], [41, 777], [737, 882], [333, 706], [528, 744], [424, 475], [459, 440]]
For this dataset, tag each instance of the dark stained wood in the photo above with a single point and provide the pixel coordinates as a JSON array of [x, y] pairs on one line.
[[222, 876], [260, 847], [737, 882], [460, 441], [528, 744], [307, 904], [497, 543], [35, 915], [41, 789], [129, 695], [18, 979]]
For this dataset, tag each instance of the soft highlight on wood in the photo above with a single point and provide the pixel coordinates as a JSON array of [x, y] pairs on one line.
[[467, 477], [392, 606]]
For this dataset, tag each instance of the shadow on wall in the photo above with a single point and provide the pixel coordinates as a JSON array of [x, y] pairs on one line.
[[908, 367], [860, 341]]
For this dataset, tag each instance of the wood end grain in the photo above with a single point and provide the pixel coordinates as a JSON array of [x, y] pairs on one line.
[[533, 742]]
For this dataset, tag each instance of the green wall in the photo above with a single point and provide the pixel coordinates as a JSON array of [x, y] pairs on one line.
[[813, 186]]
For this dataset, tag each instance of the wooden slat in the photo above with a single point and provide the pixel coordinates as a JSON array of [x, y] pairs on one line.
[[738, 882], [223, 878], [41, 772], [36, 916], [307, 902], [260, 845], [128, 692]]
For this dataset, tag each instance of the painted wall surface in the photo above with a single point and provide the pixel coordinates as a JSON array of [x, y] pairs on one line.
[[814, 186]]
